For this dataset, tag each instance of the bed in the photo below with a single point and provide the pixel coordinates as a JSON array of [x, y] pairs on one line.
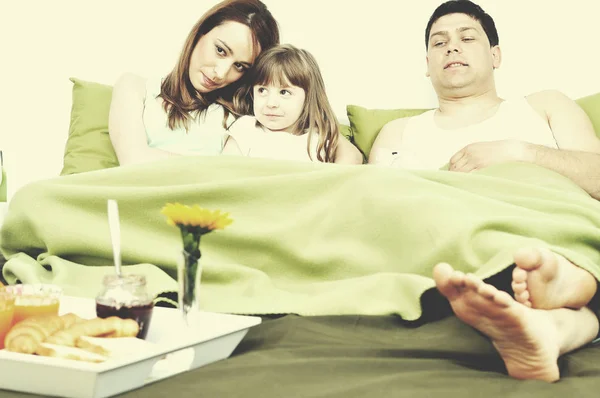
[[359, 356], [337, 259]]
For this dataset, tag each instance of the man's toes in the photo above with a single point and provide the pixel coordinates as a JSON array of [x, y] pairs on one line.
[[442, 274], [519, 275], [550, 261], [502, 298], [527, 259], [487, 291], [457, 279], [472, 282], [522, 297], [518, 287]]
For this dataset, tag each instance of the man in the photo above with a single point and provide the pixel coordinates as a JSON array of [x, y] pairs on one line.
[[474, 128]]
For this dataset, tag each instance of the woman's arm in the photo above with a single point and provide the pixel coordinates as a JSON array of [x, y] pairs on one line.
[[347, 153], [241, 136], [231, 147], [125, 123]]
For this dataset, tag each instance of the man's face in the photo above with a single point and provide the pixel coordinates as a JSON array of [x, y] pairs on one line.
[[459, 54]]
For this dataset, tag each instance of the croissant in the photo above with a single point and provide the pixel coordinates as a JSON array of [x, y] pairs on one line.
[[126, 328], [88, 346], [57, 351], [27, 335], [113, 326]]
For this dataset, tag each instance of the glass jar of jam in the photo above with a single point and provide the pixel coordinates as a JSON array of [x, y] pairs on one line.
[[126, 297]]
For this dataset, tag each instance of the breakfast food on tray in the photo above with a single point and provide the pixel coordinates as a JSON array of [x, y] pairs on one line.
[[113, 347], [107, 327], [33, 326], [126, 297], [67, 336], [27, 335], [34, 299], [7, 310], [60, 351]]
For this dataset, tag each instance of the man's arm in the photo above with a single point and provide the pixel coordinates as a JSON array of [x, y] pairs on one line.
[[578, 156], [388, 140]]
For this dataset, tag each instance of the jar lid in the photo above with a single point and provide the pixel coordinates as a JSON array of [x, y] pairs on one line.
[[129, 280]]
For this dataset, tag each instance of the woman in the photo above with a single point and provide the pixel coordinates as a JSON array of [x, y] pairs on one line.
[[188, 111]]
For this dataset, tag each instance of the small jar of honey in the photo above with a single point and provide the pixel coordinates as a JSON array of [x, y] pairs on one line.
[[126, 297]]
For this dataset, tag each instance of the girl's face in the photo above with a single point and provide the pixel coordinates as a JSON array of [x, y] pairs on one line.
[[221, 57], [278, 106]]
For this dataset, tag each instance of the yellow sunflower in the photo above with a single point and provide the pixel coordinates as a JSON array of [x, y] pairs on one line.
[[193, 222], [195, 216]]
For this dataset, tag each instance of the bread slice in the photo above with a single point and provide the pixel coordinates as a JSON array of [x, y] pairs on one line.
[[114, 347], [60, 351]]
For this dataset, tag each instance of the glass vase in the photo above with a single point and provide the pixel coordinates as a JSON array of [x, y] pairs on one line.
[[189, 274]]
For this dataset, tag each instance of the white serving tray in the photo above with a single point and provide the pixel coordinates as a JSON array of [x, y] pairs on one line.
[[177, 349]]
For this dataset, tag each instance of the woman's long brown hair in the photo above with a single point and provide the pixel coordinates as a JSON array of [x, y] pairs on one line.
[[181, 101]]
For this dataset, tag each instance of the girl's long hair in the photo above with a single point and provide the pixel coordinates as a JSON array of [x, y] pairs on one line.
[[181, 101], [288, 65]]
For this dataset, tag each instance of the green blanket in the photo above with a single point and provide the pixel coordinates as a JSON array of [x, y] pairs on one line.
[[307, 238]]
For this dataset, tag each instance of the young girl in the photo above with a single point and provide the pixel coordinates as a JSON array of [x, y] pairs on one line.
[[292, 116], [185, 113]]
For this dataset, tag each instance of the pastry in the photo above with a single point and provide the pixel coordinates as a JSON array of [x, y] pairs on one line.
[[59, 351], [96, 327], [26, 336]]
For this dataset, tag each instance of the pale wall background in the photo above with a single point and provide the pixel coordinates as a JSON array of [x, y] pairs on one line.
[[371, 53]]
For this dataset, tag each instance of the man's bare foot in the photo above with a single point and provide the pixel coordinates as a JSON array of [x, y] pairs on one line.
[[528, 340], [546, 280]]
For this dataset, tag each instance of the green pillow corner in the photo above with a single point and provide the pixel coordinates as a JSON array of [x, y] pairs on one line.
[[88, 146], [346, 131], [591, 105], [367, 123]]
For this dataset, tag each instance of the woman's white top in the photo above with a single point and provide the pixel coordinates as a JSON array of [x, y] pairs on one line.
[[206, 134], [256, 142]]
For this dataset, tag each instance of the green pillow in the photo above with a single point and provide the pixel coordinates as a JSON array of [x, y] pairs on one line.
[[88, 146], [591, 106], [346, 131], [366, 123]]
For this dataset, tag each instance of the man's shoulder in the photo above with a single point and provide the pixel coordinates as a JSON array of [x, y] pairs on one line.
[[546, 97], [396, 125], [548, 102]]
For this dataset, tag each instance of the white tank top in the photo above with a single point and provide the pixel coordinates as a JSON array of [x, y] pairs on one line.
[[426, 146], [257, 142], [206, 135]]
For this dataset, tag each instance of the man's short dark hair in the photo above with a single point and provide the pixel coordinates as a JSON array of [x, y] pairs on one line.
[[469, 8]]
